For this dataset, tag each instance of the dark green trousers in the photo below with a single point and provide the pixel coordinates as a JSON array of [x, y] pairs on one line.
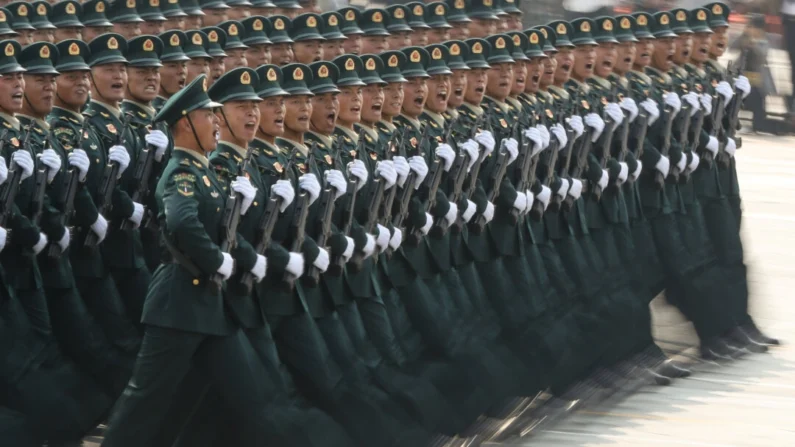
[[133, 285], [16, 430], [106, 306]]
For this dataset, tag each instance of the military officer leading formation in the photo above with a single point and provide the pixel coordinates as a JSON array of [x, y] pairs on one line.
[[247, 223]]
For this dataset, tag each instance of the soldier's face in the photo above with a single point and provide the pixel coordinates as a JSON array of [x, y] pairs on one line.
[[477, 78], [282, 53], [534, 68], [195, 22], [350, 105], [325, 109], [40, 93], [333, 48], [482, 27], [175, 23], [372, 103], [196, 67], [606, 55], [110, 81], [438, 93], [71, 32], [240, 119], [353, 44], [73, 88], [297, 113], [438, 35], [238, 12], [265, 12], [205, 125], [645, 50], [24, 38], [12, 89], [459, 31], [419, 37], [400, 39], [663, 56], [513, 22], [235, 58], [44, 35], [393, 99], [144, 84], [626, 57], [719, 42], [584, 62], [212, 17], [500, 81], [702, 42], [565, 62], [458, 87], [127, 29], [217, 68], [519, 78], [173, 77], [684, 47], [415, 92], [152, 27], [550, 67], [257, 55], [91, 32], [374, 44], [271, 112], [308, 51]]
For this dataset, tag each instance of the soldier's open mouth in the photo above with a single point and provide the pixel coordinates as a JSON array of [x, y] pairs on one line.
[[589, 66], [519, 80], [442, 95], [16, 96], [150, 88], [117, 86], [181, 82], [251, 125], [686, 53], [376, 107], [356, 109], [721, 45], [703, 50], [627, 60], [458, 91], [565, 67], [537, 78], [331, 119], [419, 101], [669, 58], [607, 64], [480, 89]]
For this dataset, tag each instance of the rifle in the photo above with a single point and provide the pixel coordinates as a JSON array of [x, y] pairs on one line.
[[266, 224], [624, 142], [68, 201], [717, 123], [408, 190], [143, 172], [554, 202], [496, 177], [299, 220], [474, 172], [659, 179], [109, 181], [312, 273], [582, 157], [9, 193], [40, 190], [684, 136], [386, 205], [607, 142], [697, 129], [460, 172], [734, 107], [527, 175], [337, 264], [230, 219]]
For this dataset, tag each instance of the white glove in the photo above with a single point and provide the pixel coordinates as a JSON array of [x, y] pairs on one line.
[[428, 224], [544, 135], [227, 266], [694, 163], [385, 169], [50, 159], [680, 165], [321, 261], [544, 196], [346, 255], [652, 110], [742, 84], [712, 145], [486, 138], [452, 214], [560, 134], [64, 242], [706, 103], [469, 211], [402, 168], [100, 228], [513, 149], [418, 165], [637, 172], [564, 188], [357, 169], [260, 267], [308, 182], [25, 162], [534, 135], [604, 179], [242, 185], [159, 140], [672, 100], [724, 89], [663, 165], [488, 213], [295, 266], [731, 147], [382, 240], [470, 147], [3, 238], [596, 123], [284, 190], [336, 180], [447, 154], [79, 160], [630, 106], [119, 155], [623, 173], [530, 199], [396, 239], [692, 98], [576, 188], [576, 124], [521, 202], [40, 244], [369, 246], [615, 113], [137, 215], [3, 170]]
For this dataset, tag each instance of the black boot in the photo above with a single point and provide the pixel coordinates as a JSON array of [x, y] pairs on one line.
[[739, 338], [755, 334], [673, 370]]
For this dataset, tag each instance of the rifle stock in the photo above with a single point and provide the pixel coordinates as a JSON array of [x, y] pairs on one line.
[[299, 221]]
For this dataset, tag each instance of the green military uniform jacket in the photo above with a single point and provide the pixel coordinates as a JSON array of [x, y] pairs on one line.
[[728, 177], [706, 179]]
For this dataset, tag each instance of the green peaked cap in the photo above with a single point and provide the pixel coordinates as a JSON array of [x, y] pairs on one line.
[[477, 56], [66, 14], [196, 45], [372, 66], [144, 51], [699, 20], [72, 55], [457, 55], [393, 66], [349, 66], [270, 78], [191, 98], [216, 38], [324, 77], [39, 58], [174, 42], [238, 84], [296, 79], [107, 49], [94, 13], [416, 62]]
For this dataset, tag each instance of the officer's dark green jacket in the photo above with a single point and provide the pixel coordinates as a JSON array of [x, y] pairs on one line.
[[728, 177], [706, 180], [630, 189]]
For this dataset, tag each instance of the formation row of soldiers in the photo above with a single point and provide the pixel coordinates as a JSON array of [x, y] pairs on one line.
[[354, 228]]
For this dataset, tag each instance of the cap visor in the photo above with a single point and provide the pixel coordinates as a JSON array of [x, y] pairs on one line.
[[217, 53], [350, 83], [23, 26], [146, 64], [322, 90], [520, 57], [606, 40], [235, 46], [376, 32], [415, 74], [664, 34], [12, 68], [281, 39], [419, 26], [269, 93], [627, 38], [174, 13], [644, 35], [195, 12], [334, 36], [109, 60], [47, 25], [42, 71], [458, 66], [683, 31], [371, 80], [127, 19], [69, 24], [153, 18], [350, 31], [439, 71], [180, 57], [459, 19], [394, 78], [398, 28], [536, 53], [306, 37], [243, 96], [501, 60], [299, 91], [702, 29], [75, 66], [257, 41], [98, 23], [586, 41], [488, 15], [478, 64]]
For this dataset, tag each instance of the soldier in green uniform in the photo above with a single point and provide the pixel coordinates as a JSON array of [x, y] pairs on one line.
[[484, 21], [375, 38], [94, 20], [256, 39], [125, 19], [5, 25], [416, 21], [41, 10], [196, 49], [513, 18], [436, 18], [174, 14], [213, 12], [238, 9], [234, 46], [216, 38], [153, 19], [289, 8], [350, 27], [334, 43], [66, 18], [282, 48], [174, 72], [307, 41], [458, 19], [19, 22], [398, 28], [263, 8]]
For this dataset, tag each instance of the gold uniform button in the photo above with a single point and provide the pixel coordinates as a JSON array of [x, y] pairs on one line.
[[195, 282]]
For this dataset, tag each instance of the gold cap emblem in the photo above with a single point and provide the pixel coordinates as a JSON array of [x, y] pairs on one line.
[[130, 4], [154, 3], [717, 10], [664, 19], [393, 61], [212, 36], [642, 20], [350, 65], [499, 43], [113, 44], [460, 4], [204, 83], [41, 10], [399, 13], [585, 27], [332, 20], [233, 30], [517, 41], [9, 49], [272, 76], [455, 49], [544, 32], [477, 48], [100, 7], [322, 72], [681, 16], [350, 15], [415, 56], [174, 41], [378, 17], [487, 3], [436, 54], [44, 53], [22, 11], [197, 39], [298, 74], [370, 65], [257, 25], [625, 23], [245, 78], [74, 50], [418, 10], [561, 29], [70, 9], [534, 38], [702, 15], [440, 10], [607, 25], [311, 21], [279, 24], [149, 45]]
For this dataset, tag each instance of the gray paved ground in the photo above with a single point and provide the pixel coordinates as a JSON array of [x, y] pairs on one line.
[[748, 403]]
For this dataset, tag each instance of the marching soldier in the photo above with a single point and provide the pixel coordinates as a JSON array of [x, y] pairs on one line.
[[174, 14], [19, 22], [174, 72], [305, 33], [234, 46], [66, 18], [94, 20], [334, 43], [375, 39], [153, 19], [125, 19], [458, 19], [41, 10], [350, 27], [255, 31], [214, 12], [416, 20], [282, 48], [436, 19], [397, 27], [216, 39], [483, 19]]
